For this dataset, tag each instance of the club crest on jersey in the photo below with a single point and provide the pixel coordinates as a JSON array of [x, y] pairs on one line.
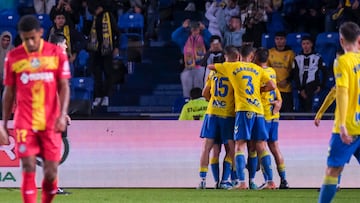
[[35, 63], [249, 114]]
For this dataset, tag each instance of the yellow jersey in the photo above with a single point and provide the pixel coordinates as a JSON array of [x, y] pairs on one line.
[[281, 62], [221, 102], [347, 75], [246, 79], [268, 97]]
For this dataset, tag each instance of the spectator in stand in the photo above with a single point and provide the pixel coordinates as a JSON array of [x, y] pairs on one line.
[[192, 38], [152, 13], [310, 18], [255, 20], [231, 9], [281, 58], [66, 6], [308, 80], [214, 55], [43, 6], [103, 46], [330, 8], [74, 40], [195, 109], [6, 46], [212, 15], [232, 32], [351, 10]]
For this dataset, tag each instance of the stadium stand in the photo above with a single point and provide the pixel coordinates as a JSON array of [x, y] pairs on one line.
[[293, 40]]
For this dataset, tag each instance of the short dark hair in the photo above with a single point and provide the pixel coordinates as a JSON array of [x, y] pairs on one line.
[[236, 17], [214, 38], [307, 37], [261, 55], [231, 52], [246, 50], [350, 31], [195, 93], [280, 34], [57, 37], [28, 23]]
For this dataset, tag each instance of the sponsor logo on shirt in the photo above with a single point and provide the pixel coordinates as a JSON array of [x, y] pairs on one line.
[[44, 76]]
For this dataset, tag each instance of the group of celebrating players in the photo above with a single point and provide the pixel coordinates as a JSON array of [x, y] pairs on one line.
[[244, 108], [243, 111]]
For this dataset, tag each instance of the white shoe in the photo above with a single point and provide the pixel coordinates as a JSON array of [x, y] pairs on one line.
[[97, 101], [105, 101]]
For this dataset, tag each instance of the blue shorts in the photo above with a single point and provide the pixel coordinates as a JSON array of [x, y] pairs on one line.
[[340, 153], [272, 127], [249, 126], [218, 128]]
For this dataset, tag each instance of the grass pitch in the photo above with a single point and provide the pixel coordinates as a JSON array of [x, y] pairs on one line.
[[187, 195]]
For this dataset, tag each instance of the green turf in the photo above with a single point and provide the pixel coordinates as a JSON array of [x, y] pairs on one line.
[[187, 195]]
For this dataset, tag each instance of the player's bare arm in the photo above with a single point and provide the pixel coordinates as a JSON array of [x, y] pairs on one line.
[[211, 67], [206, 93], [64, 96], [270, 85], [8, 102], [7, 106]]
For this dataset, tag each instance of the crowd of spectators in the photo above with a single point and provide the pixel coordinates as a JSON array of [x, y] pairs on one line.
[[222, 23], [301, 76]]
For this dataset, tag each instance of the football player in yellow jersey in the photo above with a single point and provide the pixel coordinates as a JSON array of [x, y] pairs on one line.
[[247, 79], [247, 53], [218, 128], [345, 137], [281, 58], [272, 103]]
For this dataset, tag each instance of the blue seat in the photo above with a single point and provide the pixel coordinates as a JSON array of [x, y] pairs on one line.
[[45, 22], [327, 44], [132, 24], [81, 62], [82, 88], [268, 40], [293, 40], [123, 47], [8, 20]]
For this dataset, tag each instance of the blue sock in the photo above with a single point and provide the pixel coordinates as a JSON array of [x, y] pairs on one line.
[[233, 174], [240, 166], [281, 171], [203, 172], [339, 180], [328, 189], [266, 163], [264, 174], [252, 165], [226, 169], [214, 163]]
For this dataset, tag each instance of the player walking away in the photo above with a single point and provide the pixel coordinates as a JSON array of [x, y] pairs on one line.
[[247, 80], [344, 141], [36, 75], [218, 128], [272, 103]]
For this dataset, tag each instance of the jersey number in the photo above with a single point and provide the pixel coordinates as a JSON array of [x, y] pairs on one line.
[[21, 135], [221, 88], [250, 87]]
